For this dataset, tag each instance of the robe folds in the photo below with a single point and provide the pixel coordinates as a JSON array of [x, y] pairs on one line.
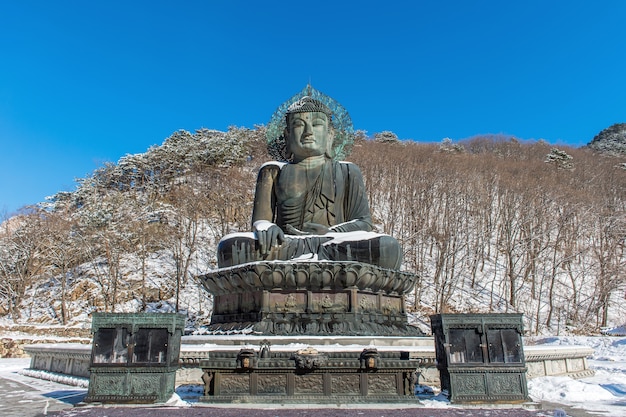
[[336, 198]]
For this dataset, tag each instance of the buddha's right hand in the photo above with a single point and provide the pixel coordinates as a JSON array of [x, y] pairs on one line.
[[269, 235]]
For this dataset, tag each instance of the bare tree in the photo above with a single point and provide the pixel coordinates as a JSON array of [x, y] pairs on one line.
[[19, 262]]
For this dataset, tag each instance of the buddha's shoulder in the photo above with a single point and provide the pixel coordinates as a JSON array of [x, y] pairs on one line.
[[271, 168], [349, 166], [273, 165], [276, 166]]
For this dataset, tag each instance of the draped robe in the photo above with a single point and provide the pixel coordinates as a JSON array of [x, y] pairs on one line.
[[336, 198]]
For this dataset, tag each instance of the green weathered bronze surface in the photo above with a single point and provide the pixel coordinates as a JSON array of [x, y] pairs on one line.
[[309, 376], [312, 263], [341, 124], [313, 298], [128, 379], [310, 205], [480, 357]]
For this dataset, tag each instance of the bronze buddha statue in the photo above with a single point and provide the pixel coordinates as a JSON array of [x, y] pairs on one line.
[[310, 206]]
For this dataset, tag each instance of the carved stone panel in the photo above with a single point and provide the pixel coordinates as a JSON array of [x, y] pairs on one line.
[[367, 303], [575, 364], [145, 384], [469, 384], [330, 302], [111, 384], [557, 367], [272, 384], [381, 383], [309, 384], [346, 384], [228, 304], [294, 302], [251, 302], [391, 305], [503, 384], [80, 368], [235, 384], [535, 369], [40, 362], [58, 365]]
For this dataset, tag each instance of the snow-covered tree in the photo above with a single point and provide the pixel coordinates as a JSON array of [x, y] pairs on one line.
[[559, 159]]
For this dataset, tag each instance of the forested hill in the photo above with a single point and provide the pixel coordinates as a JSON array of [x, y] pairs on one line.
[[490, 225], [611, 141]]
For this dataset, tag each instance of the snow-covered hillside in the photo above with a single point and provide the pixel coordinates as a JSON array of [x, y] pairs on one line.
[[489, 225]]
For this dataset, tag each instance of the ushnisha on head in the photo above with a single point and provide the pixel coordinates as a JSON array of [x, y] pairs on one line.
[[309, 131], [308, 104]]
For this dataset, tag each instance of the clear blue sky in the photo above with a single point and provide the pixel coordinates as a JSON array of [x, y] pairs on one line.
[[86, 82]]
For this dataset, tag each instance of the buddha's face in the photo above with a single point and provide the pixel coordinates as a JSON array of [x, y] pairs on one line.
[[308, 134]]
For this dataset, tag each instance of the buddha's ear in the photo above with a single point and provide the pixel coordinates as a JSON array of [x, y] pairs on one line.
[[288, 155]]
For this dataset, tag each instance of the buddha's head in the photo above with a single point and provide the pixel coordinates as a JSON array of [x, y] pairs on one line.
[[309, 130]]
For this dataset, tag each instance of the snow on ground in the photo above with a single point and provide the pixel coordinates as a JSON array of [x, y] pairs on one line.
[[25, 396], [604, 393]]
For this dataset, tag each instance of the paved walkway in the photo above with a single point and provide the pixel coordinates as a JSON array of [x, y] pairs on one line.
[[36, 398], [21, 396]]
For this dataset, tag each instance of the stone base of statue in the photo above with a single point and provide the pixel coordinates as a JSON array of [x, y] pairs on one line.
[[281, 299], [310, 298]]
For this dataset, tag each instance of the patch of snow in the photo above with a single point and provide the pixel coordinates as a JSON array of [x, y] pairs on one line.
[[604, 392], [55, 377], [176, 401], [616, 331]]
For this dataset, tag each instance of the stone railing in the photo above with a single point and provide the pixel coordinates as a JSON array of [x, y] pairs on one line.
[[557, 361], [62, 358], [73, 359]]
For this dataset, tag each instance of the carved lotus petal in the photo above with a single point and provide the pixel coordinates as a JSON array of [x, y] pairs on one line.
[[390, 282], [237, 282], [252, 279], [209, 284], [365, 279], [267, 279], [278, 278], [407, 285], [327, 279], [315, 278], [224, 283], [348, 277], [302, 278], [290, 281], [378, 281]]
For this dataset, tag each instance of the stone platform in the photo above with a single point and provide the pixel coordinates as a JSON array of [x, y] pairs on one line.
[[310, 298], [73, 358]]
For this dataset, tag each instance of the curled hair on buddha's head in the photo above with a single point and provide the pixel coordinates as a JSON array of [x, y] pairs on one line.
[[308, 104]]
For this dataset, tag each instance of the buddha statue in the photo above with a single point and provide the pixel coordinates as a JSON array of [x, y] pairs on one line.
[[310, 206]]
